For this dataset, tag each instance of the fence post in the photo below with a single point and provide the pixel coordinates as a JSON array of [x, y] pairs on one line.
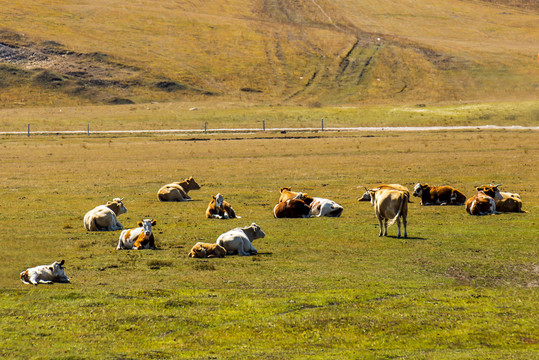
[[322, 121], [263, 125], [88, 129], [28, 130], [205, 125]]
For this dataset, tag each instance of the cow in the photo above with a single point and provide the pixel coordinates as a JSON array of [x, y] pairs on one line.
[[481, 204], [45, 274], [239, 240], [367, 195], [204, 250], [491, 190], [390, 205], [320, 206], [218, 208], [138, 238], [105, 217], [292, 208], [438, 195], [177, 191], [509, 203]]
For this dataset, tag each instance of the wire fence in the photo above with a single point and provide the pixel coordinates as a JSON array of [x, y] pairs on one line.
[[206, 130]]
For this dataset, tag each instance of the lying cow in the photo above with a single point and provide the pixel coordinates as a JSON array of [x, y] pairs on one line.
[[367, 195], [320, 206], [390, 205], [45, 274], [509, 203], [293, 208], [177, 191], [138, 238], [218, 208], [105, 217], [439, 195], [204, 250], [481, 204], [239, 240]]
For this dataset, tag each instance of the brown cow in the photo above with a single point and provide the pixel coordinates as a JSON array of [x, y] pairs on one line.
[[509, 203], [438, 195], [204, 250], [390, 205], [177, 191], [218, 208], [293, 208]]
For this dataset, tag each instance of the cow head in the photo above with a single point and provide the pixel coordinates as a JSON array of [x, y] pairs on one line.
[[117, 206], [198, 251], [366, 196], [218, 200], [286, 188], [57, 269], [257, 231], [491, 190], [147, 224], [192, 184], [418, 189]]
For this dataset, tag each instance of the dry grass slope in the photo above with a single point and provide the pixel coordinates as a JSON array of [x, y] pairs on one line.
[[310, 52]]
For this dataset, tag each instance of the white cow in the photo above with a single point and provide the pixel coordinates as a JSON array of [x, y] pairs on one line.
[[239, 240], [105, 217], [45, 274]]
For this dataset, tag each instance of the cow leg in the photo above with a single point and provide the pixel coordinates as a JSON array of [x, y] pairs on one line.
[[381, 222], [398, 227], [385, 227], [404, 223]]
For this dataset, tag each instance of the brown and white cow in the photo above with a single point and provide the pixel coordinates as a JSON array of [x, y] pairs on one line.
[[320, 206], [292, 208], [239, 240], [390, 205], [206, 250], [138, 238], [480, 204], [45, 274], [105, 217], [367, 195], [438, 195], [177, 191], [218, 208]]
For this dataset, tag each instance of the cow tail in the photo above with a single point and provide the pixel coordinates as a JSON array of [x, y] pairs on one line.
[[404, 202]]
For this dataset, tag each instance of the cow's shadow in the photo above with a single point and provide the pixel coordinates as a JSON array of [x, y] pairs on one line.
[[406, 238]]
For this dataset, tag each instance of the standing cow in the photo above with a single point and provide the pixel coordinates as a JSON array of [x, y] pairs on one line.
[[138, 238], [105, 217], [239, 240], [390, 205], [177, 191], [438, 195], [367, 195]]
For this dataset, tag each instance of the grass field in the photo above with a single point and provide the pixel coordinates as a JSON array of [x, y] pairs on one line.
[[458, 287]]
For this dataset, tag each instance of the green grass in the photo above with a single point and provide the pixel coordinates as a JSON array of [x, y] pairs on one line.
[[458, 287], [223, 115]]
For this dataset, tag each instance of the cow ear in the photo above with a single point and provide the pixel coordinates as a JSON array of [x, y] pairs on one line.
[[62, 262], [154, 222], [213, 197], [50, 268], [109, 202], [139, 223], [478, 188]]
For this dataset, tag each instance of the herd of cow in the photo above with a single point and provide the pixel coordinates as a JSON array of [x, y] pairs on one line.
[[390, 202]]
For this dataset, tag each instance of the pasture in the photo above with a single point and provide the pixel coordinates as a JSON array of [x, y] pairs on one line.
[[321, 288]]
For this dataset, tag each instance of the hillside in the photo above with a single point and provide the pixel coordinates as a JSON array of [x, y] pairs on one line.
[[267, 51]]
